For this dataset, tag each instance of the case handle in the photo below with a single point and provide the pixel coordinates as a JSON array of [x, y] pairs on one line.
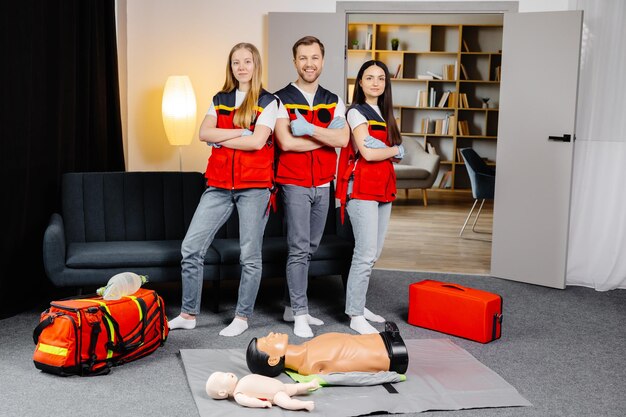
[[453, 287]]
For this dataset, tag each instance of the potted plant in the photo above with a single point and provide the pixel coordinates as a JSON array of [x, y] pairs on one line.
[[355, 44], [395, 42]]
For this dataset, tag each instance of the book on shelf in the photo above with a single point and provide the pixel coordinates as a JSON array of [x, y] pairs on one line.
[[425, 77], [422, 99], [452, 99], [459, 157], [445, 181], [465, 47], [497, 73], [463, 128], [449, 71], [430, 148], [444, 98], [463, 103], [435, 76], [397, 74], [432, 99], [439, 126], [464, 71], [451, 124], [368, 40]]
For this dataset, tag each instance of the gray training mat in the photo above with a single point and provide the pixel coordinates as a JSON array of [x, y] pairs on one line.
[[441, 376]]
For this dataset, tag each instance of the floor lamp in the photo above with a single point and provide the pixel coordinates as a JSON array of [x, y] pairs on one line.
[[179, 112]]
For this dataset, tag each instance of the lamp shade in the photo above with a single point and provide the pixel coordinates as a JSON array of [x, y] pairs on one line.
[[179, 110]]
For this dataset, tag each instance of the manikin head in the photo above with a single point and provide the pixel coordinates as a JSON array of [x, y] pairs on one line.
[[266, 355], [220, 385]]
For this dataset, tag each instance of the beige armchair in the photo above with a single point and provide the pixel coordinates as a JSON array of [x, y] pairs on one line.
[[418, 168]]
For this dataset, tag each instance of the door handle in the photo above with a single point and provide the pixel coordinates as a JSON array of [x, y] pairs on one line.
[[564, 138]]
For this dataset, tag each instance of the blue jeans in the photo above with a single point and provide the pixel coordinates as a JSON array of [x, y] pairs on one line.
[[306, 209], [369, 224], [214, 209]]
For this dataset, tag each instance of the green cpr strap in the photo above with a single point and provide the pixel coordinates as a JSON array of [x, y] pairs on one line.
[[306, 378]]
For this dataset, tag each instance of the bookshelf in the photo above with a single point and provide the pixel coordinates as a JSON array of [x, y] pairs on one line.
[[444, 71]]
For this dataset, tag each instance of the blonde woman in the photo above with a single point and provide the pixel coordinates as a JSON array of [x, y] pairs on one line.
[[239, 127]]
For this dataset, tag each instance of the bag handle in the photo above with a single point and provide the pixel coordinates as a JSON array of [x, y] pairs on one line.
[[454, 287], [42, 325]]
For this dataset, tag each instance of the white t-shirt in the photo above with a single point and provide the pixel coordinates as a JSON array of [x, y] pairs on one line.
[[266, 118], [355, 118]]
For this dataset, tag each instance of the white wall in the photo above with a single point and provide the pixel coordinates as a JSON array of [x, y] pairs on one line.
[[193, 37]]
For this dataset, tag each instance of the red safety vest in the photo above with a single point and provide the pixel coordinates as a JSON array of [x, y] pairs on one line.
[[372, 180], [312, 168], [236, 169]]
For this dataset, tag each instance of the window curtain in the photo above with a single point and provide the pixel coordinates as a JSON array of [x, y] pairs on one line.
[[60, 113], [597, 242]]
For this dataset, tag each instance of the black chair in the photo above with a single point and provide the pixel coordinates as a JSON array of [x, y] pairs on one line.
[[483, 180]]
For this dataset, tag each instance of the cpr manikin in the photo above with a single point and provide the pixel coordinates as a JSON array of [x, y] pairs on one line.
[[329, 353], [259, 391]]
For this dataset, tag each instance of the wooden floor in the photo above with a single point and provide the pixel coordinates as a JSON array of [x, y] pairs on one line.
[[427, 238]]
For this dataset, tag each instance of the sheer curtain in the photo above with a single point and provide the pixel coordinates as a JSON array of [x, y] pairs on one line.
[[597, 242]]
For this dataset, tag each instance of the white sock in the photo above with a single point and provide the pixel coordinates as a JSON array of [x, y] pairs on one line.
[[288, 316], [181, 323], [301, 327], [235, 328], [360, 325], [373, 317]]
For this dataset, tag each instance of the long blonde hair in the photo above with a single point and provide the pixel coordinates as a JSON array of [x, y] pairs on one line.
[[247, 111]]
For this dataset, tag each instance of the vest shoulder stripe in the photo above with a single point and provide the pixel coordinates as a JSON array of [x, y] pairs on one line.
[[224, 107], [375, 123]]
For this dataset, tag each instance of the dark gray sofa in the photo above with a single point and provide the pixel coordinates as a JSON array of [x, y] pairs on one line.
[[112, 222]]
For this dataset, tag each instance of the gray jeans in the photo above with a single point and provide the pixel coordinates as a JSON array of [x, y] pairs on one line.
[[215, 207], [306, 209], [369, 224]]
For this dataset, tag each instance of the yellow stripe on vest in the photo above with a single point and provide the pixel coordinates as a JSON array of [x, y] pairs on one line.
[[221, 106], [306, 107], [53, 350], [374, 122]]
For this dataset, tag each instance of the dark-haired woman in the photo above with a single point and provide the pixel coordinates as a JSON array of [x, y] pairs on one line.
[[367, 182], [239, 126]]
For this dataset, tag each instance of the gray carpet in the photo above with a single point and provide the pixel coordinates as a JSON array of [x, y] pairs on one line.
[[563, 350]]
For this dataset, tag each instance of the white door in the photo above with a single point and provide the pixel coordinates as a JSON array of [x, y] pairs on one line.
[[540, 62], [286, 28]]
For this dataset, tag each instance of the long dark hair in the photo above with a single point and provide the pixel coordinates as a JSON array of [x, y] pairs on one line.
[[385, 101]]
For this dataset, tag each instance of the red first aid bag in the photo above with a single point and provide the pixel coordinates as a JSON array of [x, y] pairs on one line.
[[87, 336], [456, 310]]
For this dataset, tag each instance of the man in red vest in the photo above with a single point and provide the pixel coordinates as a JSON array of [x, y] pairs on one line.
[[309, 126]]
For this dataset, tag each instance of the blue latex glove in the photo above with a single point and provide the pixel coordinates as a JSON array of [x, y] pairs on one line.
[[400, 154], [337, 123], [247, 132], [373, 143], [300, 127]]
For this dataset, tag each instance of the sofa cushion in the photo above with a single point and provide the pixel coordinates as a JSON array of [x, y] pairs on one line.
[[122, 254], [407, 172]]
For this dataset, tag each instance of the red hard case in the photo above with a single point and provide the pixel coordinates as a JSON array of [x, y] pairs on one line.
[[456, 310]]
